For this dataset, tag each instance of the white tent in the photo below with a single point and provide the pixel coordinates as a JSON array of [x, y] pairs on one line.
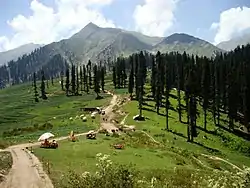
[[45, 136]]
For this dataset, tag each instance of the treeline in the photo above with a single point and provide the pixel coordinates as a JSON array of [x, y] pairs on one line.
[[220, 84], [84, 78], [22, 69], [74, 80]]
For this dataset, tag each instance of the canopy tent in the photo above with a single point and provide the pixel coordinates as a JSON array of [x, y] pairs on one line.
[[45, 136]]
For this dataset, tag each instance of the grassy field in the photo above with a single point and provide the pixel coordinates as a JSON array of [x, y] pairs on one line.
[[170, 159], [149, 158], [22, 119]]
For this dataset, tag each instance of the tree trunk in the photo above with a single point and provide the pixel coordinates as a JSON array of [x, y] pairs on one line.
[[205, 119], [167, 119], [179, 104]]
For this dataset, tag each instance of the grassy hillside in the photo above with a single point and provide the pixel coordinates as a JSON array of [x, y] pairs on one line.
[[21, 119], [154, 152]]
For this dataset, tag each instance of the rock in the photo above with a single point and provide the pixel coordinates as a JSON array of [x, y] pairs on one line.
[[139, 118]]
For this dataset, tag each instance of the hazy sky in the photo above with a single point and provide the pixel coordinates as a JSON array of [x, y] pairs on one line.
[[45, 21]]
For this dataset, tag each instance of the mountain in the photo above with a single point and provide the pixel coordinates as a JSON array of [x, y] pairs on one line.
[[17, 52], [182, 42], [93, 42], [233, 43]]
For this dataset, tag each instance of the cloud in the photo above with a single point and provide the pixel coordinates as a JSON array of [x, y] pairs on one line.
[[47, 24], [155, 19], [232, 22]]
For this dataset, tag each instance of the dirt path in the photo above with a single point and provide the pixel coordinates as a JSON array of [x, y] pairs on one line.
[[220, 159], [27, 170], [107, 122]]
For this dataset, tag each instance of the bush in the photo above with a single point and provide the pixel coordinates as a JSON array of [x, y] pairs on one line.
[[116, 176], [108, 175]]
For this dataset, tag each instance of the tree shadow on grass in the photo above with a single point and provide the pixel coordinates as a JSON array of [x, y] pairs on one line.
[[148, 99], [173, 96], [196, 143], [211, 150], [178, 134], [148, 109], [206, 131], [236, 132], [149, 105]]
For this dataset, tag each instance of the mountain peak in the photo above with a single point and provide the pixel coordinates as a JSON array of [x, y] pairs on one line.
[[180, 38], [91, 25]]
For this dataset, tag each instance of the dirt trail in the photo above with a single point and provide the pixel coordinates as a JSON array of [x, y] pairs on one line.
[[220, 159], [27, 170], [107, 123]]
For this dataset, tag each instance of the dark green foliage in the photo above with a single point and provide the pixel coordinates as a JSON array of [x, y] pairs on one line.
[[102, 77], [62, 81], [81, 78], [77, 81], [73, 80], [160, 69], [85, 80], [89, 69], [220, 84], [167, 91], [67, 84], [43, 92], [141, 80], [52, 81], [114, 77], [35, 88], [131, 77], [153, 76], [96, 80]]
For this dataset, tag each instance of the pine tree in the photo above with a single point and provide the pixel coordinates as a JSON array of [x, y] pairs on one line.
[[96, 81], [114, 76], [81, 78], [89, 73], [73, 79], [85, 76], [52, 81], [62, 81], [180, 84], [167, 91], [35, 88], [131, 78], [67, 84], [102, 72], [142, 61], [205, 85], [191, 86], [153, 77], [158, 94], [43, 92], [47, 83], [77, 81]]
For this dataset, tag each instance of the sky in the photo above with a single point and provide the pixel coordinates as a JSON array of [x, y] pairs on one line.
[[46, 21]]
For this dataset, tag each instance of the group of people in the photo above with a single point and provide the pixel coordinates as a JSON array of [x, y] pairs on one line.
[[46, 142]]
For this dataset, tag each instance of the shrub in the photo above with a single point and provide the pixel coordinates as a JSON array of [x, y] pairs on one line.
[[108, 175], [116, 176]]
